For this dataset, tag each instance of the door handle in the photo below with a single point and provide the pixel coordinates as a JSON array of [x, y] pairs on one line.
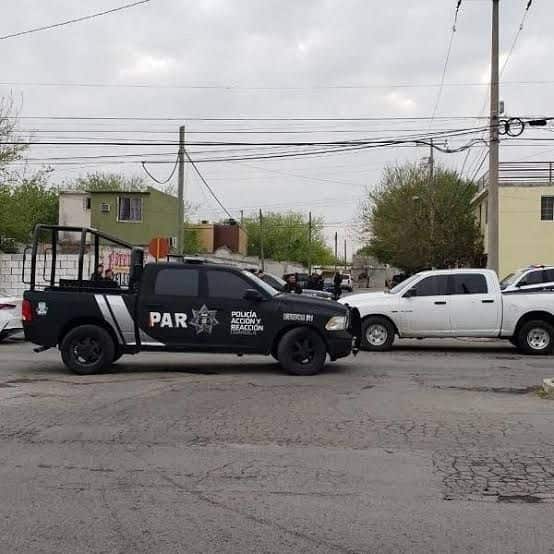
[[487, 301], [440, 303]]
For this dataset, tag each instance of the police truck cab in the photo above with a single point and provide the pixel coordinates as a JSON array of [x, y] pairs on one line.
[[177, 307]]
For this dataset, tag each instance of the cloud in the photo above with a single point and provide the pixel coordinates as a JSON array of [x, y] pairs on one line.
[[149, 66]]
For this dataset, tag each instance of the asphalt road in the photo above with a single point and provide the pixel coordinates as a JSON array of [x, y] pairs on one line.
[[435, 447]]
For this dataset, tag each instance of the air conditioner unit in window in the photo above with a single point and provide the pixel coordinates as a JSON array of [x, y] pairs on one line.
[[105, 208]]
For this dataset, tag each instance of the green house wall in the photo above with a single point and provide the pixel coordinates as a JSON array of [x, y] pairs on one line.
[[159, 214]]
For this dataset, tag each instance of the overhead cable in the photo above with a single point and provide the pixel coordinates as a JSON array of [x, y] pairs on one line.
[[70, 21]]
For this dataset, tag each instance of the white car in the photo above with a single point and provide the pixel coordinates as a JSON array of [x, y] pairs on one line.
[[533, 277], [456, 303], [10, 315], [346, 283]]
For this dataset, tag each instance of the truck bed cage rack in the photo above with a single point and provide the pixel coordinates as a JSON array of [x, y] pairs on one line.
[[137, 254]]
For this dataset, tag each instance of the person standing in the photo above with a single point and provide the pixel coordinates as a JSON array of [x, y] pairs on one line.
[[291, 285], [337, 281], [109, 278], [98, 275]]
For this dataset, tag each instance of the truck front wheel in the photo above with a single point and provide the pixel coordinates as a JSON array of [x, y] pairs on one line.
[[87, 349], [302, 351], [536, 337], [377, 333]]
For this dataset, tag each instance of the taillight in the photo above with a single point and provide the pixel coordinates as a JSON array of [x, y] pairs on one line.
[[7, 306], [27, 311]]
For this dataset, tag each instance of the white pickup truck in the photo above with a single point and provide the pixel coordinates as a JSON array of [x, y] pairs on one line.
[[456, 303]]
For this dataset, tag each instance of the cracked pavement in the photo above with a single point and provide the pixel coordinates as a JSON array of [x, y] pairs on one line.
[[438, 446]]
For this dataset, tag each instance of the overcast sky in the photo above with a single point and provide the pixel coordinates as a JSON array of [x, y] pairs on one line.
[[269, 58]]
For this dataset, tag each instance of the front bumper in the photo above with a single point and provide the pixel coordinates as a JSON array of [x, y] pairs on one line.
[[339, 344]]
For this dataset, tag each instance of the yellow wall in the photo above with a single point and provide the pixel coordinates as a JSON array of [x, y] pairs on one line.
[[524, 238], [205, 233], [243, 242]]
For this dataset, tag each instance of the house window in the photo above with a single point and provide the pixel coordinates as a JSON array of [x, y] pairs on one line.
[[547, 208], [130, 208]]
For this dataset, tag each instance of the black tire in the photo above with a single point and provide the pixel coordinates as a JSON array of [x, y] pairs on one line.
[[377, 334], [3, 336], [118, 353], [87, 349], [535, 337], [514, 341], [302, 351]]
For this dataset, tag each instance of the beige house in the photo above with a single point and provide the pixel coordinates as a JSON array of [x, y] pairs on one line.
[[526, 214]]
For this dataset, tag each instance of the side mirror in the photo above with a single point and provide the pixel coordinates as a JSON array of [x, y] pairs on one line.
[[410, 293], [253, 295]]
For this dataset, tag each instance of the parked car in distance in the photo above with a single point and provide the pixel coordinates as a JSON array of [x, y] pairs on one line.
[[346, 283], [534, 277], [456, 303], [277, 283], [10, 315]]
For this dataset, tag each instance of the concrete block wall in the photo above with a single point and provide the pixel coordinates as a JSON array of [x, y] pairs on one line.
[[11, 268], [12, 279]]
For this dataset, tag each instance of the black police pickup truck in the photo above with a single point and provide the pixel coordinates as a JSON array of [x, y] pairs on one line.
[[178, 307]]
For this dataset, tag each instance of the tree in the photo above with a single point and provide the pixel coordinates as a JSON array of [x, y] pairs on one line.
[[25, 200], [25, 204], [286, 237], [413, 223], [103, 182]]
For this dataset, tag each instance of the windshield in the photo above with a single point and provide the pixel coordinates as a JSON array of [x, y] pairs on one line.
[[274, 281], [511, 279], [259, 283], [406, 283]]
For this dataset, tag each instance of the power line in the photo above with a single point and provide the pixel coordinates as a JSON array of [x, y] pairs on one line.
[[505, 64], [445, 67], [240, 118], [210, 190], [231, 87], [143, 164], [70, 21]]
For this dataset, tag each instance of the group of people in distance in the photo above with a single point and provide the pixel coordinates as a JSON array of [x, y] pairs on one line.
[[105, 276], [315, 282]]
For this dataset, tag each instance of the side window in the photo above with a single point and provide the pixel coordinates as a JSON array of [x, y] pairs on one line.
[[177, 282], [535, 277], [469, 283], [225, 284], [436, 285], [549, 275]]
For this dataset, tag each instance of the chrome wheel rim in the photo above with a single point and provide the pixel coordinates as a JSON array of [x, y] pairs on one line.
[[376, 334], [538, 338]]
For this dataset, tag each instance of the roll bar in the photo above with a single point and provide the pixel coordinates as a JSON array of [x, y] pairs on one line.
[[137, 254]]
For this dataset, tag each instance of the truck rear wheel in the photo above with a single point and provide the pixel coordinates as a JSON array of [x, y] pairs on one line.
[[87, 349], [302, 351], [377, 333], [536, 337]]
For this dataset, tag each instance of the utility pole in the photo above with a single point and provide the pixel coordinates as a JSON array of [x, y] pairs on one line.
[[181, 191], [336, 249], [345, 255], [242, 217], [262, 261], [310, 243], [494, 147]]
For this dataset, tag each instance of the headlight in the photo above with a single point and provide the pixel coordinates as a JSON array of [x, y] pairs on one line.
[[336, 323]]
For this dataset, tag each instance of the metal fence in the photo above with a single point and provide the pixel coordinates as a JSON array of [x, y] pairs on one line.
[[522, 173]]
